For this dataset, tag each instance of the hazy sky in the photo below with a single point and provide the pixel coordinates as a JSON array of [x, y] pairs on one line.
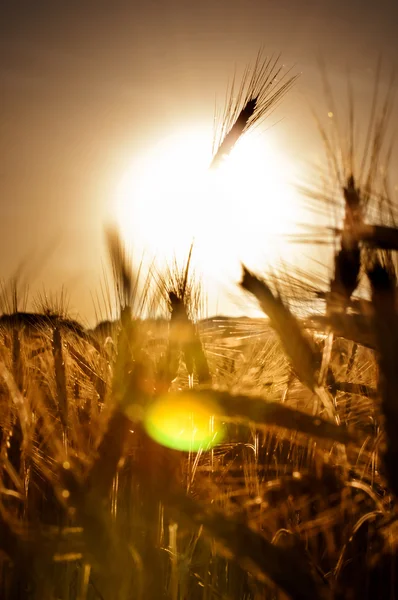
[[86, 84]]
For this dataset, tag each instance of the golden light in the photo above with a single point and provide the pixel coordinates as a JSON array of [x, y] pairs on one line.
[[236, 213]]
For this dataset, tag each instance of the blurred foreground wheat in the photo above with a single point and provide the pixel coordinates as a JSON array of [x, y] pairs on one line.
[[297, 501]]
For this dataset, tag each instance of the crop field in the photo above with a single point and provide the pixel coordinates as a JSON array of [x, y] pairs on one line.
[[162, 455]]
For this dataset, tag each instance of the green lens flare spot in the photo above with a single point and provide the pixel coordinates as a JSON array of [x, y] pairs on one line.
[[181, 422]]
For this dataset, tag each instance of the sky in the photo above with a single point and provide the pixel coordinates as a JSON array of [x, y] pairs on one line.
[[89, 87]]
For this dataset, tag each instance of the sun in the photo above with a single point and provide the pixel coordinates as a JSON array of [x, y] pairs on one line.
[[239, 212], [159, 196]]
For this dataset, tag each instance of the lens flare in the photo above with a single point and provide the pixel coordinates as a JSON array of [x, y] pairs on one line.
[[182, 422]]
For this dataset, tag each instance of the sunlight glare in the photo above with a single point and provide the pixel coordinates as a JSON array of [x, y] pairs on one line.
[[237, 213]]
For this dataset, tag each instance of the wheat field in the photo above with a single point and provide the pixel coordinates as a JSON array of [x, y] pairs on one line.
[[297, 497]]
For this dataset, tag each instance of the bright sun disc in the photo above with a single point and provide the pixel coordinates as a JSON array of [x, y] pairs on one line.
[[182, 422], [236, 213]]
